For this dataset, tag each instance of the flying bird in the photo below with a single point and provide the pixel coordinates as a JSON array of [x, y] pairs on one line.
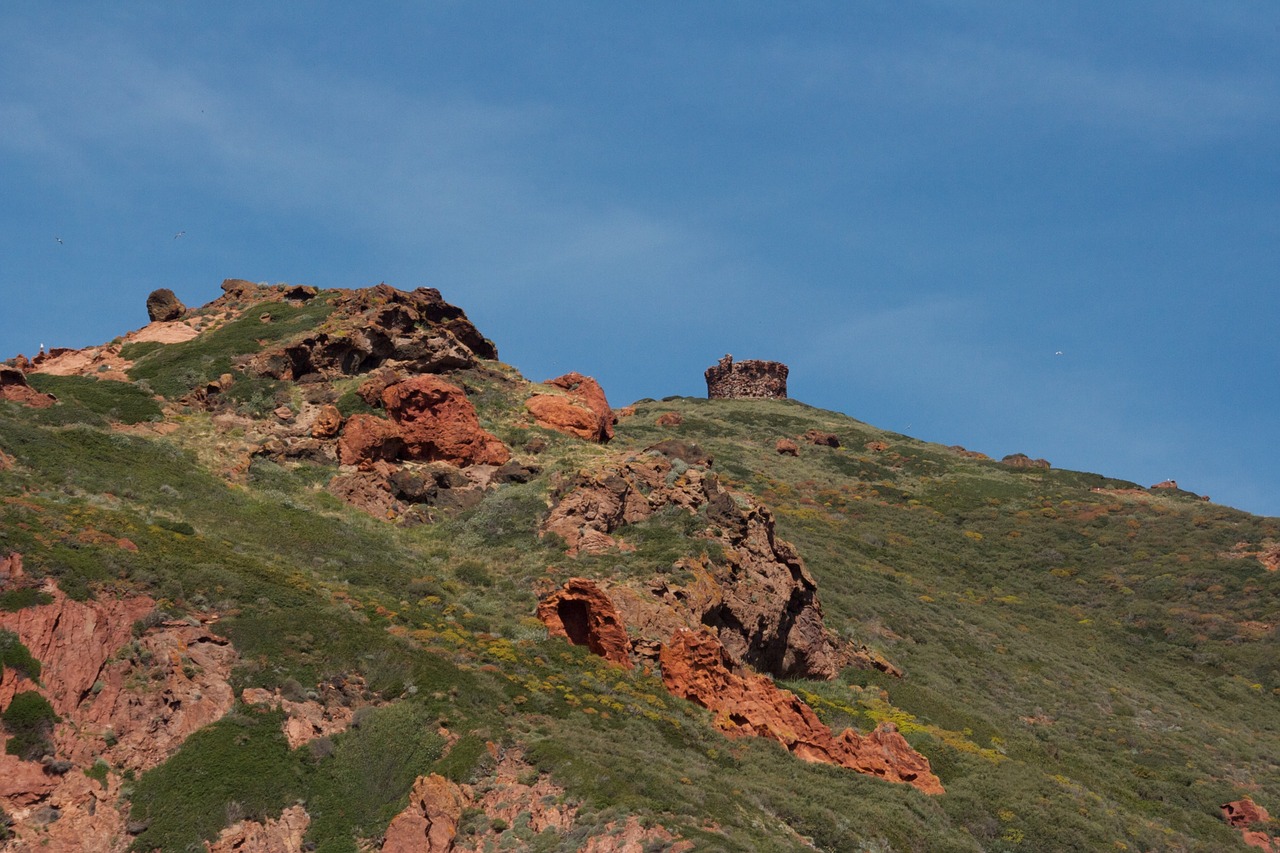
[[59, 239], [179, 234], [1059, 352]]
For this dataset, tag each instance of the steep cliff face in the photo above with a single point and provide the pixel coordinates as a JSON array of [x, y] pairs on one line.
[[126, 702]]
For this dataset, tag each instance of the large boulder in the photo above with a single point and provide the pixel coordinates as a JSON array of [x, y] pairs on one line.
[[439, 424], [581, 409], [163, 306]]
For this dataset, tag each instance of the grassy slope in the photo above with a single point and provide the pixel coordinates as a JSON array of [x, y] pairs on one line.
[[1079, 664]]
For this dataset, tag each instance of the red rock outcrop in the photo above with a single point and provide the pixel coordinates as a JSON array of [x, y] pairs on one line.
[[786, 447], [822, 439], [330, 714], [73, 640], [283, 835], [130, 700], [696, 667], [1166, 484], [669, 419], [510, 803], [14, 387], [581, 613], [1254, 824], [430, 822], [367, 438], [759, 596], [582, 410], [438, 423]]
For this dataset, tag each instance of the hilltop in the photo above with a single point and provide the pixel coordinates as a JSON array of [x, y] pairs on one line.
[[314, 569]]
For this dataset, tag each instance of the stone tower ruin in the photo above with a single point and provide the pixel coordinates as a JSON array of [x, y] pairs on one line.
[[751, 379]]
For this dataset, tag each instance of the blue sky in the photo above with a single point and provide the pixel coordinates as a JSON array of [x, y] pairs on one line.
[[916, 206]]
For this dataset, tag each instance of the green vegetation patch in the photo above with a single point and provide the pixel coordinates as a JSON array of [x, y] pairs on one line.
[[14, 600], [29, 719], [14, 655], [175, 369], [239, 767], [122, 402]]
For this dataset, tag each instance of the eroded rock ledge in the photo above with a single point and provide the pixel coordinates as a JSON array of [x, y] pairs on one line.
[[756, 593]]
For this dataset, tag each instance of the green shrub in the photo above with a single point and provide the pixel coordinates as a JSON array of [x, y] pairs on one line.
[[16, 656], [29, 720], [16, 599]]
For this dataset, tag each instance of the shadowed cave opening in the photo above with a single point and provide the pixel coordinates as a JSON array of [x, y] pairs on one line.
[[574, 615]]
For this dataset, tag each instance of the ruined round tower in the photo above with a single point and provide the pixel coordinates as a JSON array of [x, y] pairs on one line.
[[728, 380]]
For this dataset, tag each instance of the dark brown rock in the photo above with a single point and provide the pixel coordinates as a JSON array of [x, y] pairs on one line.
[[163, 306], [1022, 460]]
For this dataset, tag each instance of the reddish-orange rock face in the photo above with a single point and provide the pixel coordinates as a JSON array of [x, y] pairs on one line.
[[1247, 816], [438, 423], [14, 387], [583, 614], [367, 439], [787, 447], [696, 667], [271, 836], [430, 822], [582, 411]]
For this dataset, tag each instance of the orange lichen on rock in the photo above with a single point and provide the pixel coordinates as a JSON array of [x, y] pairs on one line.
[[583, 614], [582, 409], [695, 666]]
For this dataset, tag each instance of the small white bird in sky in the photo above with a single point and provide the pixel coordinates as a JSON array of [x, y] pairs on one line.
[[59, 239], [179, 234], [1059, 352]]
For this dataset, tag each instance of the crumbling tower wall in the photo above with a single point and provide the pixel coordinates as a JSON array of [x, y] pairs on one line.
[[753, 379]]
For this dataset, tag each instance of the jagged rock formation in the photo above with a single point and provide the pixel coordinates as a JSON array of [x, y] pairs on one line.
[[696, 667], [375, 327], [758, 595], [131, 701], [282, 835], [329, 714], [786, 447], [580, 410], [1254, 823], [746, 379], [431, 821], [581, 613], [163, 306], [1022, 460]]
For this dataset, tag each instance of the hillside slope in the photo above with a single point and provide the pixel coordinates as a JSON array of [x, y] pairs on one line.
[[282, 572]]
